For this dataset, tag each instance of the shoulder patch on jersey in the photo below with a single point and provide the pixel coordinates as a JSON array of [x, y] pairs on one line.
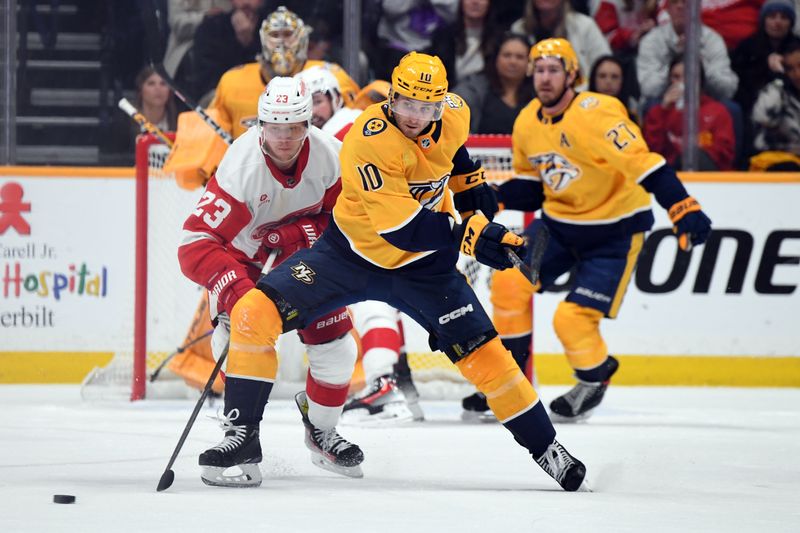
[[454, 101], [374, 126], [589, 102]]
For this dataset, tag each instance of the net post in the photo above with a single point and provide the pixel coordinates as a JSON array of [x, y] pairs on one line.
[[140, 280]]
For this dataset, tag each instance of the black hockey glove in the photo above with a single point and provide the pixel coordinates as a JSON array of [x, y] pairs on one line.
[[690, 224], [487, 242], [481, 198]]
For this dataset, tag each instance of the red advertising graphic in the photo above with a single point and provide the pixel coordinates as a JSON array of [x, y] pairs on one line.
[[11, 209]]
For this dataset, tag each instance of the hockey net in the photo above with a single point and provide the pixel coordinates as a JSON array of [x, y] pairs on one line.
[[165, 299]]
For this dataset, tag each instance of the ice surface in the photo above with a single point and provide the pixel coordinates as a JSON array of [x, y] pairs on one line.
[[659, 459]]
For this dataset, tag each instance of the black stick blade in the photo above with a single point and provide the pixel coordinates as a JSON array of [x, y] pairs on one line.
[[537, 247], [166, 480]]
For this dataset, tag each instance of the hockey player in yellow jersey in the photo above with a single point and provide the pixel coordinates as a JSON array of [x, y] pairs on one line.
[[394, 237], [585, 163]]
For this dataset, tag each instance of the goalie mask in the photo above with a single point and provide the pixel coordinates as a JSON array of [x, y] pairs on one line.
[[284, 42], [284, 116]]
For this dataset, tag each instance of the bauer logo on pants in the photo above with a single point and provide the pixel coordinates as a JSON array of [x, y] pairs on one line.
[[301, 272]]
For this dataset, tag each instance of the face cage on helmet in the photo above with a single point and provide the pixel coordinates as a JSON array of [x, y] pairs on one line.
[[413, 108], [285, 53]]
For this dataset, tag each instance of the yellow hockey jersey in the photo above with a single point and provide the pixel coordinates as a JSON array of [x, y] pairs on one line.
[[590, 160], [236, 97], [389, 179]]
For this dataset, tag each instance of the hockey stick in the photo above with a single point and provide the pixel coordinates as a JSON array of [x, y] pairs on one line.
[[168, 476], [538, 245], [140, 119], [179, 349], [156, 48]]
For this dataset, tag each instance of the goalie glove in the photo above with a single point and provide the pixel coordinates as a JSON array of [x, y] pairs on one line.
[[690, 224], [289, 238], [488, 241]]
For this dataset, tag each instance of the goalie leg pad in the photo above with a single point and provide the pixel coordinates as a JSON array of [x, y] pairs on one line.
[[578, 328], [492, 369], [511, 299], [255, 327]]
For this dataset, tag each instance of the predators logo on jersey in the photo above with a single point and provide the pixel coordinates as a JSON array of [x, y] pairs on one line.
[[555, 170], [428, 193]]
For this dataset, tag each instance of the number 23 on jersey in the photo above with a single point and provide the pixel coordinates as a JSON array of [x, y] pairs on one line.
[[213, 210]]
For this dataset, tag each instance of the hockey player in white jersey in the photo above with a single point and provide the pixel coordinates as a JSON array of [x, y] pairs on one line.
[[389, 396], [273, 191]]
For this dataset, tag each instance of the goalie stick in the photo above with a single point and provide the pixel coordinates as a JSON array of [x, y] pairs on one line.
[[530, 269], [156, 47], [168, 477], [140, 119]]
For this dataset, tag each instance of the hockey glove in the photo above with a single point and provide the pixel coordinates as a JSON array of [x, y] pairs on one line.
[[481, 198], [487, 242], [289, 238], [690, 224]]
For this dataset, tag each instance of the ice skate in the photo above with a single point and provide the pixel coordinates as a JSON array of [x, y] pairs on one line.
[[580, 401], [568, 472], [381, 403], [234, 461], [404, 381], [476, 409], [329, 450]]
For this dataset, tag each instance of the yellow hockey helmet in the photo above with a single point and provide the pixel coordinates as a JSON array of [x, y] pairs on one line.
[[561, 49], [419, 77]]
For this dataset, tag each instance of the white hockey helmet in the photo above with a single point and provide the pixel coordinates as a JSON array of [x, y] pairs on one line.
[[284, 112], [284, 41], [285, 101], [319, 79]]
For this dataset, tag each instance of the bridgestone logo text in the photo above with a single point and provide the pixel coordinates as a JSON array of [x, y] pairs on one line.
[[458, 313]]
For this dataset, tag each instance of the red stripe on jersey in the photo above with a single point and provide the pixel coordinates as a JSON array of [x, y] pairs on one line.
[[325, 393]]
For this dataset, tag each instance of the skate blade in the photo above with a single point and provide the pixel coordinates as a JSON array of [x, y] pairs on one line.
[[348, 471], [218, 476], [392, 414], [477, 417], [416, 411], [561, 419], [584, 487]]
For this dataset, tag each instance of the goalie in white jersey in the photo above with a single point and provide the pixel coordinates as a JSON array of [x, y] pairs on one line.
[[273, 193]]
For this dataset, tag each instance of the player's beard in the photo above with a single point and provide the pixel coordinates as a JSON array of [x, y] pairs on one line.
[[556, 100]]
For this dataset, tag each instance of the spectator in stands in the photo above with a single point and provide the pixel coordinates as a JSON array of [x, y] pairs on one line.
[[608, 77], [463, 45], [225, 40], [624, 22], [184, 17], [407, 25], [155, 101], [663, 126], [554, 18], [497, 95], [759, 59], [662, 44], [776, 115]]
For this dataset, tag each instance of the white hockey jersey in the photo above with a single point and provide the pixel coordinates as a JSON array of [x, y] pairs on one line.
[[221, 246], [339, 124]]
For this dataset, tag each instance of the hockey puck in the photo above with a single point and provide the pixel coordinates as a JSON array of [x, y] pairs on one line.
[[63, 498]]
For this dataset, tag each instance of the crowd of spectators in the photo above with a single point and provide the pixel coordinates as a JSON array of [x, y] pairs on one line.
[[631, 49]]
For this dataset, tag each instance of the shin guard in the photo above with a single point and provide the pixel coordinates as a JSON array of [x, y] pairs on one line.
[[578, 328]]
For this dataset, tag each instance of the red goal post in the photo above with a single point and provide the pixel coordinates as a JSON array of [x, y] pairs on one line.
[[164, 300]]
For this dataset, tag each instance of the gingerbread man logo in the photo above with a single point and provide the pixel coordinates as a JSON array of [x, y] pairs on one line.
[[11, 209]]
